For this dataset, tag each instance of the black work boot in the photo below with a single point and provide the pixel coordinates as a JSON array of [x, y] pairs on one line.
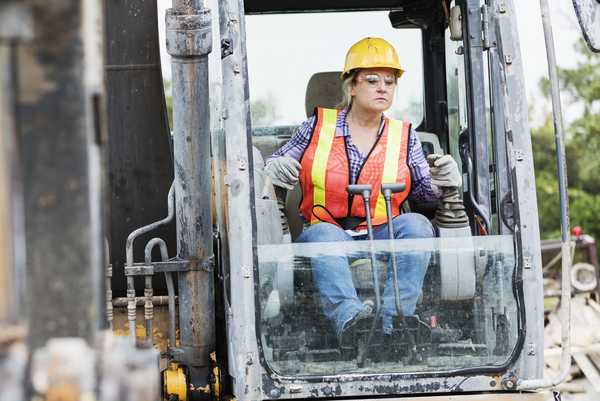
[[345, 339]]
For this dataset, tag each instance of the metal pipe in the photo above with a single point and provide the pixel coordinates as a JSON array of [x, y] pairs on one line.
[[143, 230], [149, 300], [189, 42], [565, 359], [148, 290], [131, 306], [108, 285], [157, 300], [148, 307]]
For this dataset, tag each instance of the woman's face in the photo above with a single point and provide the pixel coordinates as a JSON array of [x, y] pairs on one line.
[[374, 89]]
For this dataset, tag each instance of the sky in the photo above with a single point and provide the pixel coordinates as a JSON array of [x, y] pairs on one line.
[[284, 51]]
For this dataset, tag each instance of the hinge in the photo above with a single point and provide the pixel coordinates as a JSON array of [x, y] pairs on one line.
[[226, 47]]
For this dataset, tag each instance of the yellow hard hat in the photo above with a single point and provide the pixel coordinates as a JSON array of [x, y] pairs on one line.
[[372, 53]]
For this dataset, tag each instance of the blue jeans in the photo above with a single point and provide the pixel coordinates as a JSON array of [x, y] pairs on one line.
[[333, 278]]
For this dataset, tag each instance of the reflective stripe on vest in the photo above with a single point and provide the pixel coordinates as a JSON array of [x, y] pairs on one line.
[[325, 175], [390, 166], [319, 164]]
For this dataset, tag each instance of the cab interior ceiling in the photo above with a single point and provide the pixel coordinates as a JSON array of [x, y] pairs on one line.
[[403, 13]]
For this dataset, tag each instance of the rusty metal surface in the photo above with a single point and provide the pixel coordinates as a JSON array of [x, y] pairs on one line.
[[237, 187], [60, 135], [189, 43]]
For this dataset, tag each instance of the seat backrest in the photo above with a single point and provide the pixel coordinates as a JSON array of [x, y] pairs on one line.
[[324, 89]]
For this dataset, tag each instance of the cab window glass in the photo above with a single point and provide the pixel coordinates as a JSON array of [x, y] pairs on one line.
[[284, 51], [455, 291]]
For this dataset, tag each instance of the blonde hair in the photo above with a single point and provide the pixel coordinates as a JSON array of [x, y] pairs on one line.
[[347, 85]]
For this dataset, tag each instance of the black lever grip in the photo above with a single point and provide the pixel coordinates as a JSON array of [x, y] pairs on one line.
[[359, 189], [392, 188]]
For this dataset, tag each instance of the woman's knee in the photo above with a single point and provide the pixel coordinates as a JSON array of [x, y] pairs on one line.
[[412, 225], [323, 232]]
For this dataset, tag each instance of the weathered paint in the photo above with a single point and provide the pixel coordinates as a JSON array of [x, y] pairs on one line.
[[189, 43], [60, 144]]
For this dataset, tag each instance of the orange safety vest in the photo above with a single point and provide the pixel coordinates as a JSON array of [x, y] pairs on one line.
[[325, 172]]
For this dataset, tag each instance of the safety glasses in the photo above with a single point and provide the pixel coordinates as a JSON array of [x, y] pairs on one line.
[[374, 79]]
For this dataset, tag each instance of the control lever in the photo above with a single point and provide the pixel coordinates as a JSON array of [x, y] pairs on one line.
[[364, 191], [387, 190]]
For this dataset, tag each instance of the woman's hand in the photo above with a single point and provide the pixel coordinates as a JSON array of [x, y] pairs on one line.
[[283, 171], [444, 171]]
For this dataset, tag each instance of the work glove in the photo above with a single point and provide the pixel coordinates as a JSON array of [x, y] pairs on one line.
[[283, 171], [444, 171]]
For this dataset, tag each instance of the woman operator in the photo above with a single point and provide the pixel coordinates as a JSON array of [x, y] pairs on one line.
[[358, 144]]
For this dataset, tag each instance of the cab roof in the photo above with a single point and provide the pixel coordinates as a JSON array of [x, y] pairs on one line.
[[299, 6]]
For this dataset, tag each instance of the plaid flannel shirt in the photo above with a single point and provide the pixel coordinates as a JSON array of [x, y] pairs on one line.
[[419, 169]]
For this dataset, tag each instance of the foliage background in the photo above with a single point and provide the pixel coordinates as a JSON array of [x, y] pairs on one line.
[[580, 90]]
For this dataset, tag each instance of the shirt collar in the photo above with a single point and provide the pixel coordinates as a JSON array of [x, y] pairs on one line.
[[341, 128]]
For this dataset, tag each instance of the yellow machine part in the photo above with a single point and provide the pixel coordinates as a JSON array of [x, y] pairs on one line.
[[175, 382], [216, 385]]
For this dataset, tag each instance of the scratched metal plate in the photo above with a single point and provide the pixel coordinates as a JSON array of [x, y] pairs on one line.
[[588, 14]]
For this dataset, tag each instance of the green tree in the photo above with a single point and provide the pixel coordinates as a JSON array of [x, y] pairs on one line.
[[580, 87]]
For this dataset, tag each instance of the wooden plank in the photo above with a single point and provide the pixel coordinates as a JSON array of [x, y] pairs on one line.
[[588, 369], [595, 357]]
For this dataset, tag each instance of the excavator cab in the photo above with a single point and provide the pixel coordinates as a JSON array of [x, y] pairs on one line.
[[233, 287], [462, 94]]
